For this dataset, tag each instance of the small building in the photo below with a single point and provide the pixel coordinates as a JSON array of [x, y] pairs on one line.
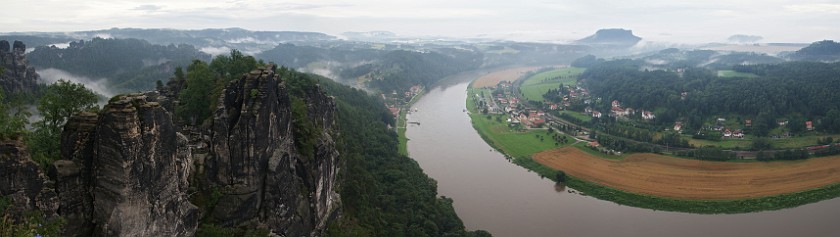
[[395, 111], [616, 104], [619, 112], [677, 126], [596, 114], [647, 115], [594, 144], [738, 134], [727, 133], [809, 125], [748, 123]]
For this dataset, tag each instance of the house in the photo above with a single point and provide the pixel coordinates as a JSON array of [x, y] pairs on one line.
[[587, 110], [552, 106], [677, 126], [727, 133], [523, 118], [594, 144], [415, 89], [395, 111], [616, 104], [619, 112], [596, 114], [738, 134], [721, 120], [809, 125], [647, 115], [748, 123], [781, 122]]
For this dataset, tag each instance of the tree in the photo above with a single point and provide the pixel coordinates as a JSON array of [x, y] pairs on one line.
[[11, 123], [196, 98], [233, 66], [560, 176], [796, 124], [179, 74], [761, 143], [60, 101], [831, 122]]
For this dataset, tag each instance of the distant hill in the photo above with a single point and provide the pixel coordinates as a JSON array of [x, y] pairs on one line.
[[126, 64], [213, 41], [611, 37], [744, 38], [826, 50]]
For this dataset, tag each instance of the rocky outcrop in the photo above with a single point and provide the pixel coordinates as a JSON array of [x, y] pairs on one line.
[[127, 171], [611, 38], [256, 166], [122, 175], [18, 75], [23, 182]]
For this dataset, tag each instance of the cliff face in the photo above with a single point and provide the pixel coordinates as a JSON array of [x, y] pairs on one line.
[[258, 169], [23, 182], [127, 171], [121, 174], [18, 75]]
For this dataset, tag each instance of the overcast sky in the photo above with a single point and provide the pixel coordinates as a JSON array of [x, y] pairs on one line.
[[538, 20]]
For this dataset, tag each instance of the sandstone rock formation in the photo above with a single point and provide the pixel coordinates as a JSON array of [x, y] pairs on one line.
[[128, 171], [23, 182], [18, 77], [122, 176], [256, 165]]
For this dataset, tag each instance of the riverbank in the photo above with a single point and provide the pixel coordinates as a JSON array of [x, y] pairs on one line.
[[521, 151], [402, 122]]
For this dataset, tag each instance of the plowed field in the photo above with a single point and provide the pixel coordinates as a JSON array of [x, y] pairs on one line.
[[493, 78], [694, 179]]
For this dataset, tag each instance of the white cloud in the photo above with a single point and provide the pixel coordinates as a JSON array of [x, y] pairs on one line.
[[99, 86], [815, 8], [696, 21]]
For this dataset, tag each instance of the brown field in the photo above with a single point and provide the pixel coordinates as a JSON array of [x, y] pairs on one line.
[[493, 78], [694, 179]]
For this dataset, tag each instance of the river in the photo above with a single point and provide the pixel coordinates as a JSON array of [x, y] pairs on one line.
[[493, 194]]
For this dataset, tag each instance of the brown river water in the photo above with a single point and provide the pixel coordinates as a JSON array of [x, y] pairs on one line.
[[493, 194]]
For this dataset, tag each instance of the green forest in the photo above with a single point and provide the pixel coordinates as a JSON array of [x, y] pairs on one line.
[[798, 91], [383, 193], [128, 64]]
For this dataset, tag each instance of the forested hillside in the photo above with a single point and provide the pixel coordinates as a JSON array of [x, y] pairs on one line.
[[384, 193], [826, 50], [794, 89], [127, 64], [388, 69]]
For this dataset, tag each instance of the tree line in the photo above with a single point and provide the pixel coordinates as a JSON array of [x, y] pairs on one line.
[[796, 90]]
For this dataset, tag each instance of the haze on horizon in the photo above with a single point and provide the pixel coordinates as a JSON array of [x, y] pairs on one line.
[[800, 21]]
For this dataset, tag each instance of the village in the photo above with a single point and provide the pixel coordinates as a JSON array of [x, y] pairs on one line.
[[501, 99], [396, 102]]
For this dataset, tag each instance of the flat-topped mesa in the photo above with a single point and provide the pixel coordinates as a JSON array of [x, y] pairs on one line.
[[256, 165], [124, 176]]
